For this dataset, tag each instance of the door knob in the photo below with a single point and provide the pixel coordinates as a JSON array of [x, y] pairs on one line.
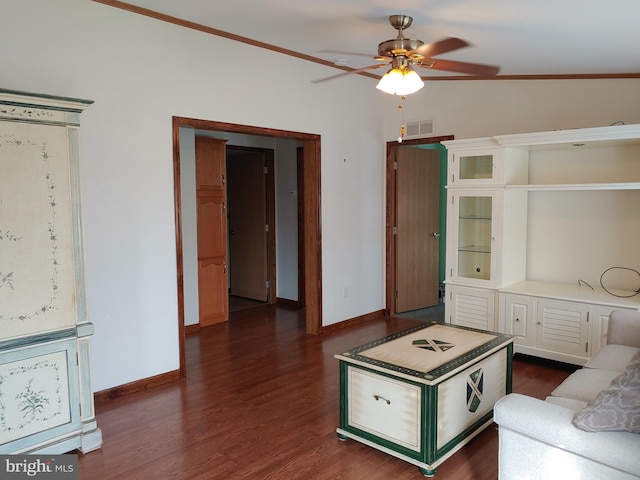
[[436, 234]]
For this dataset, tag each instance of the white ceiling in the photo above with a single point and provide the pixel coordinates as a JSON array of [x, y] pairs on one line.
[[523, 37]]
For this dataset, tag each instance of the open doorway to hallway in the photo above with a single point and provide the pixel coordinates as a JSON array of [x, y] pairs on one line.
[[185, 128], [251, 228]]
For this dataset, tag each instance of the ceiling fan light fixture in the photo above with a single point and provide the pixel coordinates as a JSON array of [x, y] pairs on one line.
[[400, 81]]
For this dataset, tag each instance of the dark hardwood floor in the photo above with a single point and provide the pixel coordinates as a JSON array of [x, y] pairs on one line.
[[261, 401]]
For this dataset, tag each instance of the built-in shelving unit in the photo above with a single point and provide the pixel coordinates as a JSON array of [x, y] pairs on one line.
[[575, 186], [564, 210]]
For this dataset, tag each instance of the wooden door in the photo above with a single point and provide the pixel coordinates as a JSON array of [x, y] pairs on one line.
[[247, 220], [212, 230], [417, 228]]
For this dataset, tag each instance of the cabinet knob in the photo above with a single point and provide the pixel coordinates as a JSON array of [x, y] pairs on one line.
[[517, 320]]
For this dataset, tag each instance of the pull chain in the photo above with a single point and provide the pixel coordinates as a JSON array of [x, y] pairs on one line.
[[402, 128]]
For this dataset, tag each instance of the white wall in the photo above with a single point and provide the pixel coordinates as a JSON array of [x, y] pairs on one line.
[[479, 108], [188, 207], [286, 220], [140, 72]]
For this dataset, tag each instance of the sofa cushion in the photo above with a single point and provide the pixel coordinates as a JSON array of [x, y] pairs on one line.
[[617, 407], [569, 403], [546, 438], [612, 357], [585, 384], [624, 328]]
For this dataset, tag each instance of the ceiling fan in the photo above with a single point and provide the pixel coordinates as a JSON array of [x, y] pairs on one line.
[[402, 54]]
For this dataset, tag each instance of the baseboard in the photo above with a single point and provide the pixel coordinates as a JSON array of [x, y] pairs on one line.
[[352, 322], [192, 328], [285, 302], [137, 386], [168, 377]]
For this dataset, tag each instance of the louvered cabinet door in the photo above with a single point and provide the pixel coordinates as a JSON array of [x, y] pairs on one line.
[[563, 327], [471, 307]]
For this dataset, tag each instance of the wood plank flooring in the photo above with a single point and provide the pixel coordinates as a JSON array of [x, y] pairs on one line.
[[261, 401]]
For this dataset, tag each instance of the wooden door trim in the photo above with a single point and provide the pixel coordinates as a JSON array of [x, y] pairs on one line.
[[300, 214], [390, 281], [312, 217]]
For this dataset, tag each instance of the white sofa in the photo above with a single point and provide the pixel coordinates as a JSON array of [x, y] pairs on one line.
[[584, 429]]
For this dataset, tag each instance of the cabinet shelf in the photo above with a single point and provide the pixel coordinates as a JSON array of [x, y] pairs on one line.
[[576, 186], [475, 217], [475, 249], [574, 293]]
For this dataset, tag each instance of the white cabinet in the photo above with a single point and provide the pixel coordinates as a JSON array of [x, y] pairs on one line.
[[599, 316], [486, 229], [483, 162], [544, 216], [556, 321], [562, 327], [477, 166], [46, 397], [486, 237], [471, 307], [473, 232], [558, 330], [519, 317]]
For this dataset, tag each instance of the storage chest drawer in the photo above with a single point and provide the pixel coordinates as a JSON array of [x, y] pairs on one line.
[[385, 407]]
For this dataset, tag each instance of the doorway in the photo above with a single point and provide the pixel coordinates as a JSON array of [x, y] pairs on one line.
[[310, 208], [416, 216], [251, 226]]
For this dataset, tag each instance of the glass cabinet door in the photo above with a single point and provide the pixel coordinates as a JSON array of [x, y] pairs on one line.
[[480, 167], [475, 237], [476, 167]]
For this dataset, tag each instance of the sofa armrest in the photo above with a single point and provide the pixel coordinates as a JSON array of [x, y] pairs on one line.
[[624, 328], [550, 424]]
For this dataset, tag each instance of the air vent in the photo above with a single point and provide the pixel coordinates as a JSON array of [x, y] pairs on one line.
[[419, 128]]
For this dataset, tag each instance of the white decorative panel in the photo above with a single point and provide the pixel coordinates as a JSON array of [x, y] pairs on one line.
[[465, 398], [46, 401], [37, 260], [34, 396]]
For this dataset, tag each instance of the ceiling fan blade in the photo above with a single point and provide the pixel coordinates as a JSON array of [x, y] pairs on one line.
[[437, 48], [371, 67], [343, 52], [460, 67]]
